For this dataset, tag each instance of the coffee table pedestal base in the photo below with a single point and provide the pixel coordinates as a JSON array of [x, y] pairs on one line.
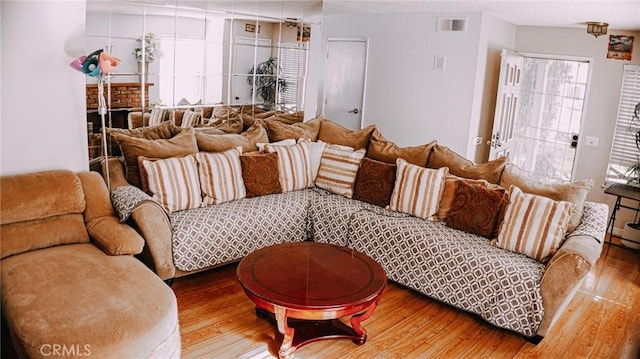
[[299, 332]]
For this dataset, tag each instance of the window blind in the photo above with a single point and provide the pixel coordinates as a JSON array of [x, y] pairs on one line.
[[293, 57], [624, 152]]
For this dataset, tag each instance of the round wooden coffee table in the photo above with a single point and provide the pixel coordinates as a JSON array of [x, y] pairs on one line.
[[306, 286]]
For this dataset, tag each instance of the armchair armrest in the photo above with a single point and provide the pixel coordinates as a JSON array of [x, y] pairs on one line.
[[113, 237], [575, 258], [151, 221]]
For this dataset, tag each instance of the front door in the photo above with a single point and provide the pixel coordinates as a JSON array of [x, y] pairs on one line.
[[344, 81]]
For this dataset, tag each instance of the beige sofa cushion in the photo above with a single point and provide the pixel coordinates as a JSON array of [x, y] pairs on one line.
[[181, 144], [386, 151], [249, 139], [442, 156], [41, 210], [336, 134], [279, 131], [574, 192], [108, 306]]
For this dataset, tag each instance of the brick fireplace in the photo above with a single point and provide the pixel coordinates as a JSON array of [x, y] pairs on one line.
[[125, 95]]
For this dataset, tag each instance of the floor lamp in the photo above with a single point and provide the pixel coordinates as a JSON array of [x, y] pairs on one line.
[[97, 64]]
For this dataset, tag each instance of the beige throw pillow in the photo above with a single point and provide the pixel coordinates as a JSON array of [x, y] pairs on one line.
[[221, 176], [294, 166], [417, 190], [574, 192], [533, 225], [338, 169], [173, 182]]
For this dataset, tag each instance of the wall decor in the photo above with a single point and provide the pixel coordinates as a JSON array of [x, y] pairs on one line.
[[251, 28], [620, 47]]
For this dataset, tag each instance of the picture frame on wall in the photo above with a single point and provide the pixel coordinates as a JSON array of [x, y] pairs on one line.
[[620, 47]]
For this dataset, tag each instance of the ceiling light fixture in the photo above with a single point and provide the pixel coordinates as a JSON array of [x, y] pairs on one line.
[[597, 28]]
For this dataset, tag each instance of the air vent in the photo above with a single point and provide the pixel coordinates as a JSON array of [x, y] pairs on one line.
[[452, 24]]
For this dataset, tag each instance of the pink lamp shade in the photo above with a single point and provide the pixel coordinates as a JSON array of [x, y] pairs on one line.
[[76, 64], [108, 62]]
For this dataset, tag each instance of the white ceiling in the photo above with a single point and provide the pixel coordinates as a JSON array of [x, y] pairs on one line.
[[621, 15]]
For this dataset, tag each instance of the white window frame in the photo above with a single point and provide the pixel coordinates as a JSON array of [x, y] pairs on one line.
[[624, 152]]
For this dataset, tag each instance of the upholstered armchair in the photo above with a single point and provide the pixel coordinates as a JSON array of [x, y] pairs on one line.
[[69, 278]]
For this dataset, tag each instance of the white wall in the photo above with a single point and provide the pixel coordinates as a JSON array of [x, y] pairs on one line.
[[43, 115], [495, 35], [602, 103], [405, 97]]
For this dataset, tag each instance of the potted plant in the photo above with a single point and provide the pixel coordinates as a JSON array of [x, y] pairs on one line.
[[267, 82], [151, 51]]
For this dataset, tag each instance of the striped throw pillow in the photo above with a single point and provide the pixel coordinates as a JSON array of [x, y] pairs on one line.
[[338, 169], [157, 116], [294, 166], [417, 190], [173, 182], [533, 225], [221, 176], [190, 119]]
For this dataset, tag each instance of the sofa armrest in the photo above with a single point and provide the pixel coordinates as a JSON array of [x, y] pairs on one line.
[[150, 219], [575, 258], [153, 224], [113, 237]]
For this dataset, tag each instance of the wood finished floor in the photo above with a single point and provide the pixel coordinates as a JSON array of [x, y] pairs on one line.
[[602, 321]]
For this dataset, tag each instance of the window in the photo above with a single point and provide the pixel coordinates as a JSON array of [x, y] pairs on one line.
[[293, 60], [624, 151]]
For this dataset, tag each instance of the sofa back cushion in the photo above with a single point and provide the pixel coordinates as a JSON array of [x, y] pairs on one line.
[[248, 139], [278, 131], [442, 156], [184, 143], [417, 190], [386, 151], [40, 210], [574, 192], [336, 134]]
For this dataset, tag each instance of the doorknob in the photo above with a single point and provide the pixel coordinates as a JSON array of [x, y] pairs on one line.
[[355, 110]]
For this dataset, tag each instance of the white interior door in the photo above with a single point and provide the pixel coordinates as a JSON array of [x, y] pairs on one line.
[[344, 81], [508, 102], [246, 51]]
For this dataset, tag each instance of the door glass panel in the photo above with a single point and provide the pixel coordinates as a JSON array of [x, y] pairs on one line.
[[550, 114]]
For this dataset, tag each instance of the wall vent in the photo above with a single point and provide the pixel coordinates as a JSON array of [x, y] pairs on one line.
[[452, 24]]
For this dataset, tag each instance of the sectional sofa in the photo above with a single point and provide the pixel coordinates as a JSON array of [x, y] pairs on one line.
[[481, 237]]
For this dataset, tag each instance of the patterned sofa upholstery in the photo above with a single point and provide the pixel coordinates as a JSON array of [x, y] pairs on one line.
[[507, 289]]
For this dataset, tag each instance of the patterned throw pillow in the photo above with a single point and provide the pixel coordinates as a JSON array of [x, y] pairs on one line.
[[338, 169], [293, 165], [375, 182], [173, 182], [260, 174], [221, 176], [473, 206], [533, 225], [417, 190], [190, 119], [157, 116]]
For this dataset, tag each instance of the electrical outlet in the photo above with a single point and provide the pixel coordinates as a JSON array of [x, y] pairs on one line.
[[591, 141], [477, 141]]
